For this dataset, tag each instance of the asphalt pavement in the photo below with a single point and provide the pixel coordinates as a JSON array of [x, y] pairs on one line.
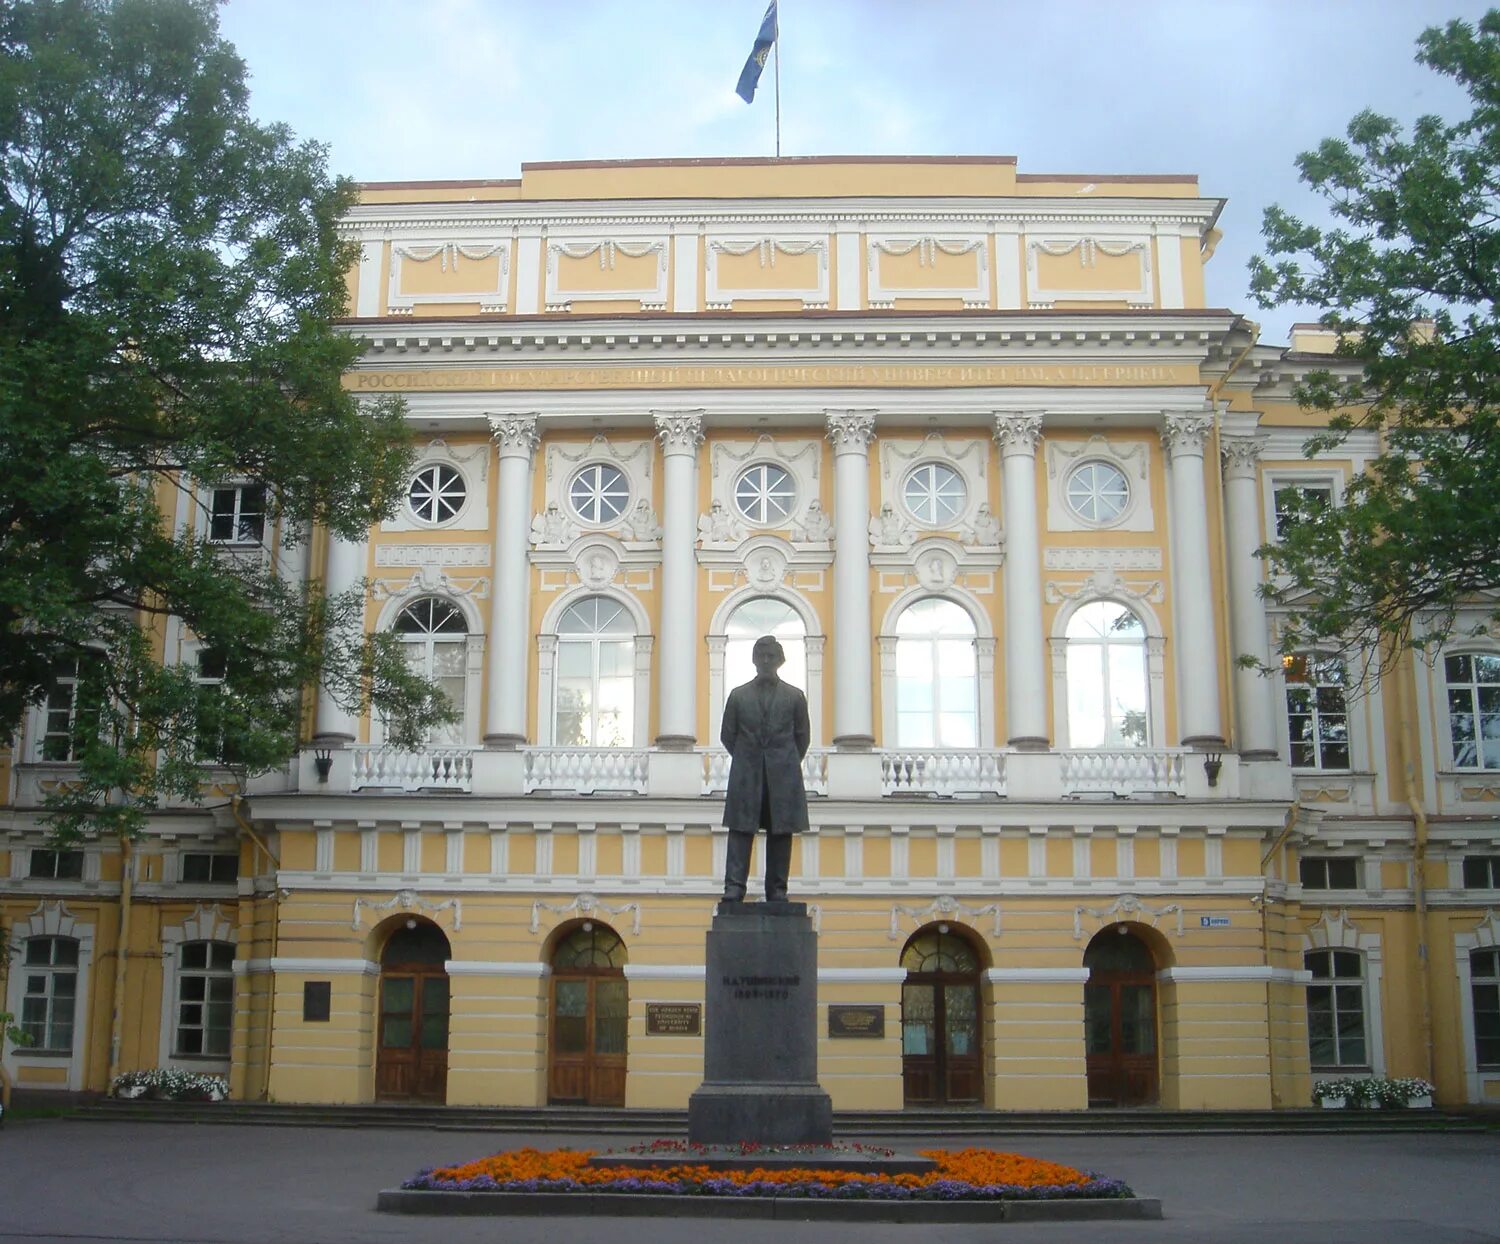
[[70, 1180]]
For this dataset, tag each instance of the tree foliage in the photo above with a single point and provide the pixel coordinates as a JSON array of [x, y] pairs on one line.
[[1409, 275], [170, 278]]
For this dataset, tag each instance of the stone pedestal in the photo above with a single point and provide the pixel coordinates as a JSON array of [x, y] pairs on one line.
[[760, 1061]]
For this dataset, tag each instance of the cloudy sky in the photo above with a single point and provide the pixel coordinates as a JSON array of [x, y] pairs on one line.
[[1230, 90]]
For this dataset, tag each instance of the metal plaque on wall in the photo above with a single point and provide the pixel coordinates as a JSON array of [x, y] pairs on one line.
[[674, 1019], [856, 1021]]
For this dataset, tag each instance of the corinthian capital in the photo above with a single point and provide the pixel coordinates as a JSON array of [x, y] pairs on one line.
[[1184, 434], [851, 431], [515, 435], [679, 431], [1018, 433], [1241, 455]]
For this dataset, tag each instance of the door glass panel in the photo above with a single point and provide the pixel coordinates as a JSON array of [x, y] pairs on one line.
[[435, 1013], [1137, 1019], [610, 1016], [570, 1017], [917, 1018], [395, 1005], [960, 1018], [1096, 1019]]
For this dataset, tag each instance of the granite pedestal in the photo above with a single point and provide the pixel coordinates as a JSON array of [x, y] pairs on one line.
[[760, 1058]]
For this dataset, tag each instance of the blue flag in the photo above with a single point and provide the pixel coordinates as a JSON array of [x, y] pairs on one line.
[[750, 74]]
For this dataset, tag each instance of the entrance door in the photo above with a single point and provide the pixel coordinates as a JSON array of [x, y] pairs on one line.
[[586, 1058], [1119, 1015], [411, 1061], [940, 1061]]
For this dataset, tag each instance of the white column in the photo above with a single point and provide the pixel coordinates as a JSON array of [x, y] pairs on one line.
[[1255, 696], [1025, 645], [509, 645], [851, 432], [346, 568], [680, 433], [1196, 641]]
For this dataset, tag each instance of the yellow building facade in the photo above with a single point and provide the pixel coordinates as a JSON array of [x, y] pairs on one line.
[[970, 443]]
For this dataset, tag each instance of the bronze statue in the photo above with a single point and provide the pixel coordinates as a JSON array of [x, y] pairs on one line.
[[766, 734]]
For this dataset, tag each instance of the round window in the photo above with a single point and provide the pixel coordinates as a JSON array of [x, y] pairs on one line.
[[764, 494], [934, 494], [436, 494], [1097, 492], [599, 493]]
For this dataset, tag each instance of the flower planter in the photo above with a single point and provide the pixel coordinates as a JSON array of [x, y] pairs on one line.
[[1370, 1105], [1421, 1102], [1333, 1103]]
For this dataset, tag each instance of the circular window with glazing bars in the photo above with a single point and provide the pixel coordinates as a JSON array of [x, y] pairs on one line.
[[764, 494], [1097, 492], [437, 493], [934, 494], [599, 493]]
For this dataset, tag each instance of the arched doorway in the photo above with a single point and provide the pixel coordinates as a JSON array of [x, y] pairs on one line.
[[1119, 1017], [940, 1063], [411, 1061], [589, 1011]]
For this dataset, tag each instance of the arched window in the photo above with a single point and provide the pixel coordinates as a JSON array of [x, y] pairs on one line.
[[764, 615], [434, 632], [1108, 698], [937, 677], [205, 1000], [1336, 1034], [595, 697]]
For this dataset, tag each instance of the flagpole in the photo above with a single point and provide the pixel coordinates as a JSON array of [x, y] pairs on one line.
[[776, 51]]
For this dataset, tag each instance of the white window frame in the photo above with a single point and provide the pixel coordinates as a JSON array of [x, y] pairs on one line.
[[206, 924], [774, 522], [1132, 458], [718, 639], [52, 920], [1485, 936], [933, 465], [1335, 931], [984, 659], [433, 467], [1447, 743], [1279, 478], [239, 488], [598, 523], [547, 639], [1155, 645], [39, 713], [473, 656], [932, 644], [1284, 686]]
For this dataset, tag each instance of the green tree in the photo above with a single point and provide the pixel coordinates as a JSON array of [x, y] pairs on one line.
[[1408, 273], [170, 278]]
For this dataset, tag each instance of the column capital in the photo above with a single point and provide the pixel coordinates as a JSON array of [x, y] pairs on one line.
[[679, 431], [1241, 455], [1183, 435], [514, 434], [851, 430], [1018, 432]]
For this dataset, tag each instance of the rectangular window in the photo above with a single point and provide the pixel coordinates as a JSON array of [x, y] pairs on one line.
[[212, 868], [1473, 680], [1296, 503], [1329, 872], [1336, 1009], [209, 726], [205, 1000], [50, 980], [1482, 872], [1484, 976], [71, 713], [1317, 713], [237, 514], [49, 865]]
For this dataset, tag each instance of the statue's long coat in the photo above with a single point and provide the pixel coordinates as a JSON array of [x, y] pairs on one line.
[[766, 750]]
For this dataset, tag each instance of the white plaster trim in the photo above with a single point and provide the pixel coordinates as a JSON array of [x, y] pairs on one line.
[[1085, 244], [204, 925], [927, 246], [861, 976], [1335, 931], [1250, 972], [652, 297], [319, 966], [1132, 458], [665, 971], [1036, 976], [424, 251], [480, 967], [719, 296]]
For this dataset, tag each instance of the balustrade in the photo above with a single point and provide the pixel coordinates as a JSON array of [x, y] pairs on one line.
[[586, 770], [1125, 772], [946, 773], [428, 768], [716, 771]]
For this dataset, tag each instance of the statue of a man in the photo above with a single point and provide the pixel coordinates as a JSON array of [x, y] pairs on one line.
[[766, 734]]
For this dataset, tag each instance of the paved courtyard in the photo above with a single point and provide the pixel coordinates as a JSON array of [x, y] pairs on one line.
[[212, 1184]]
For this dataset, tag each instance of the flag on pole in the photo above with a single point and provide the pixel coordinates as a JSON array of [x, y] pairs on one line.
[[750, 74]]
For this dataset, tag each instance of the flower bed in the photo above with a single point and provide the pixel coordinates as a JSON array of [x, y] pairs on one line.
[[169, 1084], [1374, 1091], [963, 1175]]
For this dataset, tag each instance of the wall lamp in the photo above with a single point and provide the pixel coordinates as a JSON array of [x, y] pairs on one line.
[[323, 763], [1212, 763]]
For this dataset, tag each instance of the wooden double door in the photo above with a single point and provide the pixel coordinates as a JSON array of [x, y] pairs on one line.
[[586, 1062], [411, 1061], [1119, 1016], [940, 1063]]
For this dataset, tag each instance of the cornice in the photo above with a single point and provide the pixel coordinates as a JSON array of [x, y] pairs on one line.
[[379, 219]]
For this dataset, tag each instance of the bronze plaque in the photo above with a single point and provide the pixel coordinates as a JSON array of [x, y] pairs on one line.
[[856, 1021], [674, 1019]]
